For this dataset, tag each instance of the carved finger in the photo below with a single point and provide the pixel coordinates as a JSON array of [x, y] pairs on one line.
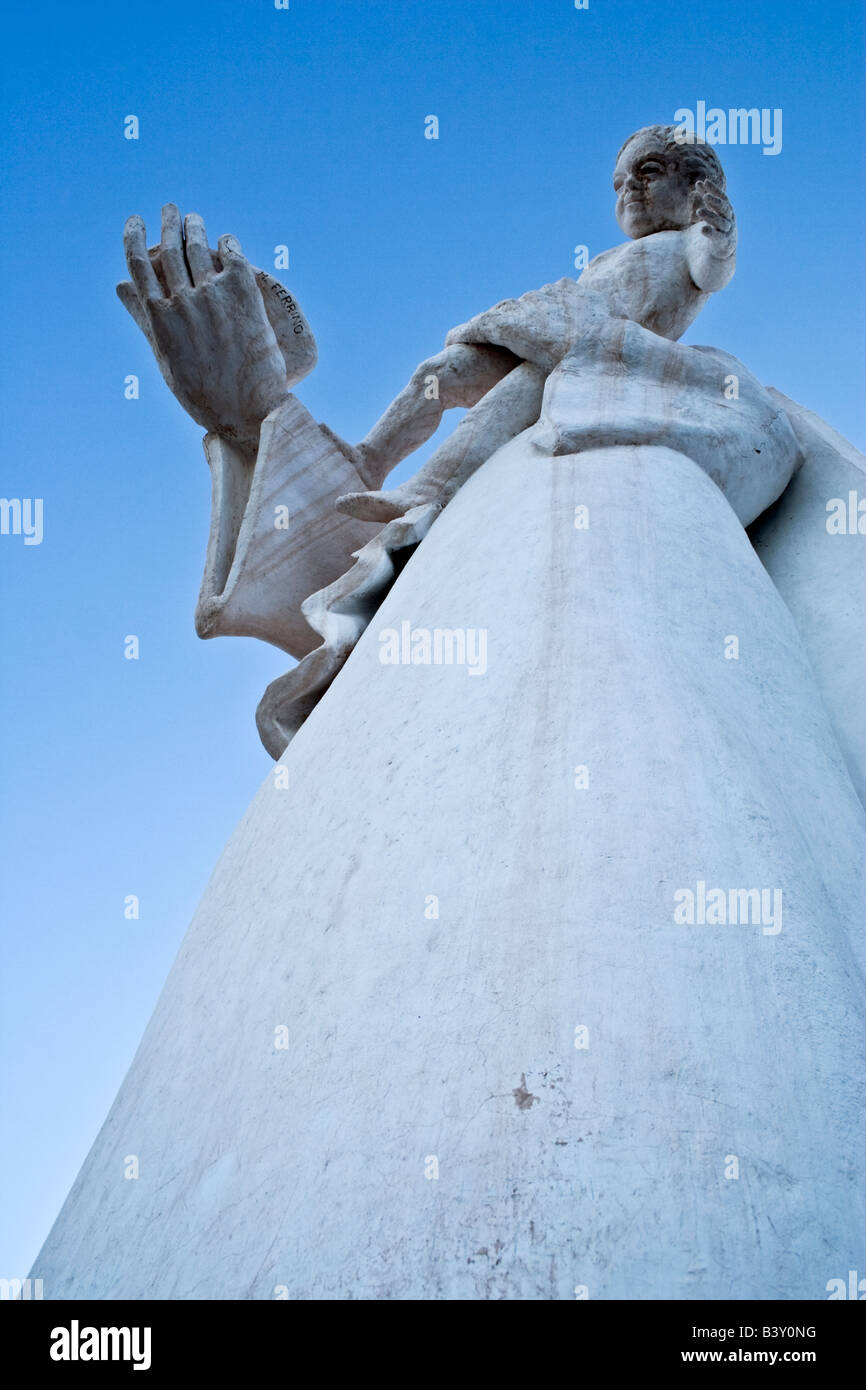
[[171, 255], [199, 257], [141, 270], [715, 217], [230, 254], [711, 227], [229, 249]]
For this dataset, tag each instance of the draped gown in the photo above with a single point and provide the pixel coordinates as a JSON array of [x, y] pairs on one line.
[[444, 1024]]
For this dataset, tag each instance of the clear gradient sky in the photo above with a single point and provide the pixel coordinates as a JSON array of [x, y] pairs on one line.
[[305, 127]]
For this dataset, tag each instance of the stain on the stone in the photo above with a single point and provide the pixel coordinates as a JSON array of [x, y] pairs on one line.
[[524, 1099]]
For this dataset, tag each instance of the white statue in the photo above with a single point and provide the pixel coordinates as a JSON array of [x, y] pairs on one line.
[[535, 970], [232, 342]]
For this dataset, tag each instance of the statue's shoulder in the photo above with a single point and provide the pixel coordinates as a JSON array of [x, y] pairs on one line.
[[658, 248]]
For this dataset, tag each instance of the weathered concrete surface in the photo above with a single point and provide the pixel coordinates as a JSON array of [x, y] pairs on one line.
[[412, 1037]]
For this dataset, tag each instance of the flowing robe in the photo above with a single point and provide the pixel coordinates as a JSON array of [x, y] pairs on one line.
[[545, 978]]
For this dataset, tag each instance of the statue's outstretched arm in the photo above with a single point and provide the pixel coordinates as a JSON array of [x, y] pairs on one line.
[[459, 375]]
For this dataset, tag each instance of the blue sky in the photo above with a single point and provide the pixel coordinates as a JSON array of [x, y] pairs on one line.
[[303, 127]]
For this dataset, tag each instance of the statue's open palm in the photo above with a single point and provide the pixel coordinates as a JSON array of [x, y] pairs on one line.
[[229, 340]]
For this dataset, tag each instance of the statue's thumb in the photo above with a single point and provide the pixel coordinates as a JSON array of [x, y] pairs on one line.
[[128, 296], [291, 329]]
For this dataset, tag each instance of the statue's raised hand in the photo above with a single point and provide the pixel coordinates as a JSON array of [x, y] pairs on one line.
[[713, 211], [229, 339], [712, 237]]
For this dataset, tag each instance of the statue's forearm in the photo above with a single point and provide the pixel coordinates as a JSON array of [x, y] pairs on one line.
[[458, 376]]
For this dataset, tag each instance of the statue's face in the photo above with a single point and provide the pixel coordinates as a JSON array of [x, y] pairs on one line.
[[653, 192]]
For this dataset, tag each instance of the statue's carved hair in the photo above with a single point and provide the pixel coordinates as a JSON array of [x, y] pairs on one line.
[[697, 159]]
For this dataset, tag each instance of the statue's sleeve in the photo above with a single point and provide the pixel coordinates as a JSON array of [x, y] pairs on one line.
[[538, 327], [275, 534], [812, 546]]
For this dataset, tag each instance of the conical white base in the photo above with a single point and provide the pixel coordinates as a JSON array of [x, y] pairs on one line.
[[411, 1038]]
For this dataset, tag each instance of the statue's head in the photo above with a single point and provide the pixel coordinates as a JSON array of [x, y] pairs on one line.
[[655, 178]]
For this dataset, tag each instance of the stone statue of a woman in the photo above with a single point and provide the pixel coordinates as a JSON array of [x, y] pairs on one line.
[[548, 981]]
